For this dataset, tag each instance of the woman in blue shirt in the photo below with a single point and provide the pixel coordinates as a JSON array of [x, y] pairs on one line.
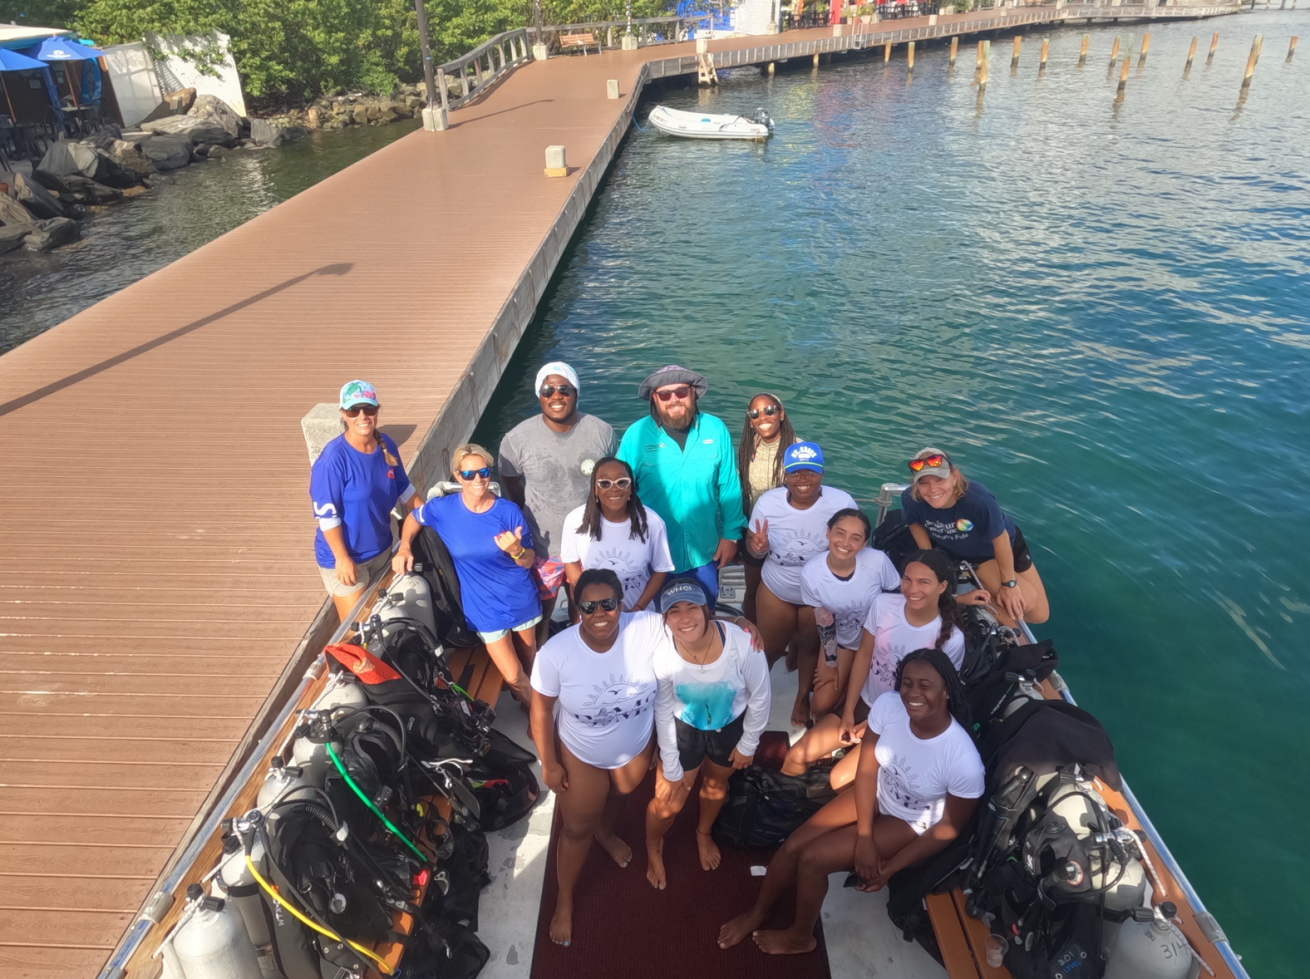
[[354, 484], [491, 546], [962, 518]]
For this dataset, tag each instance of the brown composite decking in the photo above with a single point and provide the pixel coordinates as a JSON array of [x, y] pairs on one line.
[[157, 572]]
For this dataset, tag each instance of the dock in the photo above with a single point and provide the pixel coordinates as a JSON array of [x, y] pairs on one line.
[[159, 601]]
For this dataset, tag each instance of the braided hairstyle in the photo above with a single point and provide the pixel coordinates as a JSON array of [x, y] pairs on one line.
[[591, 516], [939, 661], [751, 441], [949, 610]]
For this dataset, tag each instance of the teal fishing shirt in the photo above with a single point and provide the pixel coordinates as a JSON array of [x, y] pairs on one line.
[[696, 490]]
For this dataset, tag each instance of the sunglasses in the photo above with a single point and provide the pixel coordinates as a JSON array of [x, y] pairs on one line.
[[605, 605], [468, 474], [370, 410], [680, 392], [567, 390], [768, 410], [931, 462], [623, 482]]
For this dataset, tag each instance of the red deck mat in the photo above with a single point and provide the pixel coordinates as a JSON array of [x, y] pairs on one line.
[[625, 929]]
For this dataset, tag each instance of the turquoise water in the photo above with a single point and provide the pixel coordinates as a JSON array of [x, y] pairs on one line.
[[1102, 310]]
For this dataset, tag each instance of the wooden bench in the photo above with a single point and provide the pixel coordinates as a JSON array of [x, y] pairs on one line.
[[961, 938], [579, 41], [474, 671]]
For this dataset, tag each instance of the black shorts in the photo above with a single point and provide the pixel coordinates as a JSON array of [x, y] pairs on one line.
[[695, 745], [1023, 558]]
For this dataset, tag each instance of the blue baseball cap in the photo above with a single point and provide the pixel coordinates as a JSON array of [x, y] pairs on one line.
[[682, 590], [358, 393], [803, 455]]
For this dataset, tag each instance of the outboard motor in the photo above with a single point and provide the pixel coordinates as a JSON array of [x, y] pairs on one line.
[[212, 943]]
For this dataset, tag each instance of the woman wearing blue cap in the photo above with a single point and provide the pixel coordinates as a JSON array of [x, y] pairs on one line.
[[353, 485], [712, 704], [788, 526]]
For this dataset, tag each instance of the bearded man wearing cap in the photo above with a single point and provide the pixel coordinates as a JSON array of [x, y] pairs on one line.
[[545, 466], [686, 472]]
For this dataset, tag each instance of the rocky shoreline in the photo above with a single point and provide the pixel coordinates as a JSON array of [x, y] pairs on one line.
[[45, 208]]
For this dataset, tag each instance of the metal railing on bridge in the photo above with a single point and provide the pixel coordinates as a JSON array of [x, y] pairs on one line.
[[610, 33], [476, 71]]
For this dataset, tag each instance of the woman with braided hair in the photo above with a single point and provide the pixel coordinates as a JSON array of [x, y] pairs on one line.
[[923, 614], [916, 789]]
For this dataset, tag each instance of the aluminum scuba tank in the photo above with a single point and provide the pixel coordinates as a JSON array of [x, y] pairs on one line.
[[408, 597], [1148, 946], [285, 779], [213, 943], [242, 890]]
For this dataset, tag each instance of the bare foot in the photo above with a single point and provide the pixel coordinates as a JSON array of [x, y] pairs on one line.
[[655, 865], [738, 928], [616, 848], [800, 713], [783, 943], [561, 924], [709, 850]]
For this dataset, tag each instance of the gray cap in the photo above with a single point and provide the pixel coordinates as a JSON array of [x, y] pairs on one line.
[[673, 374]]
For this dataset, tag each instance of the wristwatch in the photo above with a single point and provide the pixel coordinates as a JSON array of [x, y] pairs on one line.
[[1010, 584]]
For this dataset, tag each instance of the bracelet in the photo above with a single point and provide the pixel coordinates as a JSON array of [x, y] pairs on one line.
[[519, 556]]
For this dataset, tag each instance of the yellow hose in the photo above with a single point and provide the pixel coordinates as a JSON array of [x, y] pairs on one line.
[[272, 892]]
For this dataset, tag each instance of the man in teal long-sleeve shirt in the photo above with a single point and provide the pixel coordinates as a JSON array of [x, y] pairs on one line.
[[686, 472]]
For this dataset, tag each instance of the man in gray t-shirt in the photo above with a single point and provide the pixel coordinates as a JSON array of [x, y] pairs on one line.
[[546, 464]]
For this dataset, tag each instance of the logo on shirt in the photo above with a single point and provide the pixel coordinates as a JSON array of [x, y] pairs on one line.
[[964, 526], [588, 466], [391, 474], [617, 699], [325, 510]]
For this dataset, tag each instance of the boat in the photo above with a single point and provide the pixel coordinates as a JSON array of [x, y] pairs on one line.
[[700, 125]]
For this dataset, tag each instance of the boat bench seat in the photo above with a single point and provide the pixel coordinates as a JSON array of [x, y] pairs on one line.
[[583, 40], [474, 671], [961, 938]]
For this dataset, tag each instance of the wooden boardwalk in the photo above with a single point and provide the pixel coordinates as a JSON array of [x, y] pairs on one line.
[[158, 589]]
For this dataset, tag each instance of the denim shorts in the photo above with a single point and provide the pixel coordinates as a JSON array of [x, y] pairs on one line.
[[497, 634]]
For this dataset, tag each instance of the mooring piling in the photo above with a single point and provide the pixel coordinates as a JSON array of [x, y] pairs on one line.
[[886, 53], [955, 46], [1123, 71], [1114, 51], [1046, 49], [1014, 58], [909, 57], [1082, 51], [1291, 48], [1146, 46], [986, 54], [1191, 53], [1214, 43], [1251, 60]]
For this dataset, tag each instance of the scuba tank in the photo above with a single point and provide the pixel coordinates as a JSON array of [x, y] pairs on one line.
[[1150, 946], [282, 778], [212, 943], [409, 597], [242, 890]]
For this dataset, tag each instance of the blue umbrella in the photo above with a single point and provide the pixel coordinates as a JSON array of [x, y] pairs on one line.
[[13, 61], [62, 49]]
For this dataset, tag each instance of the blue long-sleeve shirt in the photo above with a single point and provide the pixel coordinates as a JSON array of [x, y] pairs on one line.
[[696, 490]]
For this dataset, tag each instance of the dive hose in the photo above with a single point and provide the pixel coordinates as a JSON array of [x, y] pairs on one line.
[[341, 769]]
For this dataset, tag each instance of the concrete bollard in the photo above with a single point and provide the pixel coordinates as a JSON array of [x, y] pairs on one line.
[[321, 426], [1291, 48], [702, 45], [955, 47], [932, 20], [435, 119], [540, 52], [1191, 53], [1252, 59], [629, 42], [556, 162], [1214, 43], [1082, 51], [612, 88], [1014, 58]]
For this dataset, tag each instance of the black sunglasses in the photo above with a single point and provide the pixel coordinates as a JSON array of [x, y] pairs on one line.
[[467, 474], [770, 410], [567, 390], [353, 412], [605, 605]]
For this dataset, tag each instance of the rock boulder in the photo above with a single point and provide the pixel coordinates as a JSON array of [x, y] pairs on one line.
[[112, 173], [167, 152], [129, 155], [38, 201], [192, 128], [14, 216], [63, 158], [213, 109], [84, 191], [51, 234], [11, 238], [264, 132]]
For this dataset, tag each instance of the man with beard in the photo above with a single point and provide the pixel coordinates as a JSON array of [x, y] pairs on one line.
[[546, 464], [687, 473]]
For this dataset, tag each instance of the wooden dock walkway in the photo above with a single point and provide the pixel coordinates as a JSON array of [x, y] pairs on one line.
[[158, 593]]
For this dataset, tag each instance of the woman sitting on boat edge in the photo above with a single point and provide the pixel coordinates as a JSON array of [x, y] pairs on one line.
[[915, 791], [960, 516], [712, 705]]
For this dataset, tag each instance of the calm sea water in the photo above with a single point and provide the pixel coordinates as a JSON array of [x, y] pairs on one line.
[[1101, 309]]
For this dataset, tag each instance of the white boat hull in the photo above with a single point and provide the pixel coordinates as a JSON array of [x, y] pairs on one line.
[[701, 125]]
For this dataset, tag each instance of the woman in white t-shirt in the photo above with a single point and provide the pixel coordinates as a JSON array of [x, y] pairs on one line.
[[924, 614], [915, 791], [613, 530], [712, 704], [788, 526], [840, 586], [601, 672]]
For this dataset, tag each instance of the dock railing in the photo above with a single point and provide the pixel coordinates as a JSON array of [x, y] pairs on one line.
[[609, 33], [482, 67]]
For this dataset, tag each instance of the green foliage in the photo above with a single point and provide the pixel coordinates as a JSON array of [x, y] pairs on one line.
[[39, 13]]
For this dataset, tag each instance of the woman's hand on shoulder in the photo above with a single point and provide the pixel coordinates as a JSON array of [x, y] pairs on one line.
[[749, 627]]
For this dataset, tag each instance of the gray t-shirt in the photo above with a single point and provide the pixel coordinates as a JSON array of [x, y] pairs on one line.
[[556, 471]]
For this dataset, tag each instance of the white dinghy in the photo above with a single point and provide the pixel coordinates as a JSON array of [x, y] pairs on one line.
[[700, 125]]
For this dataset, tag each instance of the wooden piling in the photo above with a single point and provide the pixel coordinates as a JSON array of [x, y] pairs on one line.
[[1291, 48], [909, 57], [816, 62], [1123, 72], [772, 67], [986, 57], [1014, 58], [1082, 51], [978, 66], [1046, 48], [1114, 51], [955, 46], [1214, 43], [886, 53], [1251, 60], [1191, 53], [1146, 46]]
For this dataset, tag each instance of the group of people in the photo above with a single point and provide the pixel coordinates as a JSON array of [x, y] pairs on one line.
[[636, 534]]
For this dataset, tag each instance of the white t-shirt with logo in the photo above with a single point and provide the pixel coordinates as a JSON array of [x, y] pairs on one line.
[[848, 600], [795, 536], [606, 700], [915, 775], [631, 558], [894, 638]]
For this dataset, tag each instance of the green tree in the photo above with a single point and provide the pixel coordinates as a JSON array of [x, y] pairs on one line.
[[39, 13]]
